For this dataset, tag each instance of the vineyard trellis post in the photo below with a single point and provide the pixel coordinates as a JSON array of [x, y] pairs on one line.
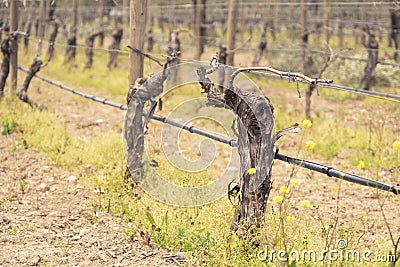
[[70, 52], [306, 55], [395, 30], [124, 20], [341, 29], [28, 27], [326, 21], [138, 14], [14, 44], [101, 21], [47, 11], [232, 16], [41, 27], [200, 17]]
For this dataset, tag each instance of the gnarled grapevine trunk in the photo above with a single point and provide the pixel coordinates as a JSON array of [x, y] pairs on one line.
[[143, 90], [174, 45], [89, 48], [372, 45], [255, 146], [52, 39], [114, 46], [5, 65], [23, 91], [261, 47]]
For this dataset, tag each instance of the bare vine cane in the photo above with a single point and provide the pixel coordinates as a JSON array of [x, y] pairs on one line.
[[139, 93]]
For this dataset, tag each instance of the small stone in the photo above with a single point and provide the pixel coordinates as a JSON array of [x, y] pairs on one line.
[[84, 232], [99, 190], [72, 178], [43, 187], [93, 257], [53, 188], [45, 231], [76, 237]]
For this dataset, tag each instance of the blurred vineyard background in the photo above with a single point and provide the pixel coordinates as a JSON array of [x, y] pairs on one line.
[[337, 24]]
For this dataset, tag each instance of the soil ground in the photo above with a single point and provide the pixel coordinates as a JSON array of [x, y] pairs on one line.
[[50, 222]]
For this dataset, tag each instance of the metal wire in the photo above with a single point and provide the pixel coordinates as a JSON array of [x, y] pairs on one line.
[[385, 96], [87, 96], [233, 143]]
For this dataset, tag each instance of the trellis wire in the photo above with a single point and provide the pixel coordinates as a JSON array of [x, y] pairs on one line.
[[329, 171], [385, 96], [271, 50]]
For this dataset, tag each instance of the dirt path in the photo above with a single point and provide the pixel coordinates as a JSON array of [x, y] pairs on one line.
[[47, 217], [49, 220]]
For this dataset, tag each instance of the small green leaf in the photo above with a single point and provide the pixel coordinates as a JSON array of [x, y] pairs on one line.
[[150, 218]]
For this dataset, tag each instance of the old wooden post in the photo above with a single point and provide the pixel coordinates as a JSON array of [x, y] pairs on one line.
[[138, 10], [125, 5], [395, 29], [200, 17], [41, 27], [28, 28], [138, 14], [326, 21], [71, 41], [232, 15], [14, 44], [306, 57], [101, 21], [341, 28]]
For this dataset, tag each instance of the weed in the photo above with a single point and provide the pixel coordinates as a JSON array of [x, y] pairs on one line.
[[9, 125], [22, 186]]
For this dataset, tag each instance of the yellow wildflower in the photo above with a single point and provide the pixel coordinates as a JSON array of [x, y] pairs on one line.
[[310, 145], [252, 171], [277, 199], [307, 123], [305, 203], [295, 182], [284, 190], [361, 164], [396, 144], [289, 218]]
